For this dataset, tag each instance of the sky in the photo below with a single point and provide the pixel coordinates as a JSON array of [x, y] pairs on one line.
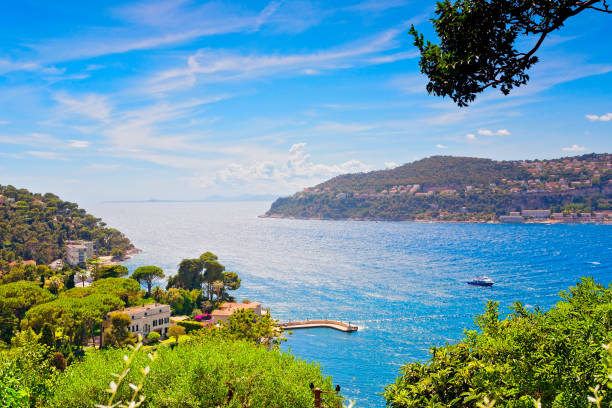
[[186, 100]]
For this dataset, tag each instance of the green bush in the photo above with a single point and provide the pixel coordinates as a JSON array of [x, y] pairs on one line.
[[26, 375], [553, 356], [153, 337], [199, 373], [191, 326]]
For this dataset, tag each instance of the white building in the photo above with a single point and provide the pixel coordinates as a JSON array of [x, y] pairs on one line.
[[513, 219], [57, 265], [77, 252], [148, 318], [535, 213]]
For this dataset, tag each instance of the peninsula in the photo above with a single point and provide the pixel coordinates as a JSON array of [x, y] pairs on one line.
[[461, 189]]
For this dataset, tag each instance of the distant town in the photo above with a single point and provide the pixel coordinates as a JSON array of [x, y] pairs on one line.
[[463, 189]]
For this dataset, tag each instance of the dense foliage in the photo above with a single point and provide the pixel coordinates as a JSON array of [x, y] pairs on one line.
[[36, 227], [208, 273], [479, 41], [27, 376], [209, 371], [432, 171], [553, 356], [479, 189]]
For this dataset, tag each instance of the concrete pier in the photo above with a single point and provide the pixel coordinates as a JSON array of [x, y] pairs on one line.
[[308, 324]]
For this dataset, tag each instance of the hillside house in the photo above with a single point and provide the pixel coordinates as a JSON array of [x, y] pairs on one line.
[[147, 318], [227, 309]]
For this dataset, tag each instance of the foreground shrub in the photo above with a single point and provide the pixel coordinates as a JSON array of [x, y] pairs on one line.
[[153, 337], [199, 373], [26, 375], [191, 326], [553, 356]]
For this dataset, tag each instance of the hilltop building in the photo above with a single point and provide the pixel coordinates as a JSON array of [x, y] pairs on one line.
[[77, 252]]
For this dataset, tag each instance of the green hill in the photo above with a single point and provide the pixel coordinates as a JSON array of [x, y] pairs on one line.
[[457, 188], [36, 227], [432, 171]]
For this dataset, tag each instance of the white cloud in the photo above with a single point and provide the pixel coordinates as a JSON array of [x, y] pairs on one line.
[[211, 66], [603, 118], [441, 146], [391, 165], [487, 132], [79, 144], [10, 66], [32, 140], [93, 106], [297, 167], [470, 137], [44, 155], [574, 148], [4, 122]]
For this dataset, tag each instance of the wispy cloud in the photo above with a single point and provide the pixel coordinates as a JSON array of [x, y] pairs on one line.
[[499, 132], [391, 165], [602, 118], [31, 139], [93, 106], [79, 144], [152, 24], [45, 155], [211, 65], [574, 148], [470, 137], [441, 146]]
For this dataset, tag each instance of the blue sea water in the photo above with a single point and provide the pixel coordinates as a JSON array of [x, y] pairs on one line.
[[402, 283]]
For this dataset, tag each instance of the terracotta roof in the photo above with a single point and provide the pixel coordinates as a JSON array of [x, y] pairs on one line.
[[143, 308], [228, 308]]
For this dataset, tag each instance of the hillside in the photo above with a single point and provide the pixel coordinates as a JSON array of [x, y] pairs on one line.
[[457, 189], [36, 227]]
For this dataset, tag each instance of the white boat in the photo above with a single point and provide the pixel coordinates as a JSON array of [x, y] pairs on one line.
[[481, 281]]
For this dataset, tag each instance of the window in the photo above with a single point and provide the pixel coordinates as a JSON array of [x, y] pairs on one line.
[[136, 327], [166, 320], [160, 322], [154, 323]]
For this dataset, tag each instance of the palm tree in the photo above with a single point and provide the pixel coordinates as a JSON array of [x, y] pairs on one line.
[[82, 276]]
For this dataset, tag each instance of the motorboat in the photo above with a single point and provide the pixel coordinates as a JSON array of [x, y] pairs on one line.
[[481, 281]]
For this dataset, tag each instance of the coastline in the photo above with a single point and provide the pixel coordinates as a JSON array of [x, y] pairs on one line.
[[431, 221], [108, 260]]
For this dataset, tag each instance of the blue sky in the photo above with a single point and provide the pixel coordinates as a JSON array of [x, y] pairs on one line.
[[184, 99]]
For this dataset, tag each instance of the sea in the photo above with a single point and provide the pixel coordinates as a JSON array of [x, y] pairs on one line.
[[402, 283]]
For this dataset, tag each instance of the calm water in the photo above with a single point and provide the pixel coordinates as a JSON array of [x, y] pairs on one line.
[[402, 283]]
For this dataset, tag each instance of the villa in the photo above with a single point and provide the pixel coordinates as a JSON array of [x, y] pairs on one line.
[[228, 308], [148, 318]]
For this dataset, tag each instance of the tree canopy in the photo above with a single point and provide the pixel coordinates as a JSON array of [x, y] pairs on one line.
[[479, 41], [111, 271], [552, 356], [147, 275], [20, 296], [205, 270], [37, 226]]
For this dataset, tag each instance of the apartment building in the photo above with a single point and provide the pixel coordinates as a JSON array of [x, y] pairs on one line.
[[77, 252]]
